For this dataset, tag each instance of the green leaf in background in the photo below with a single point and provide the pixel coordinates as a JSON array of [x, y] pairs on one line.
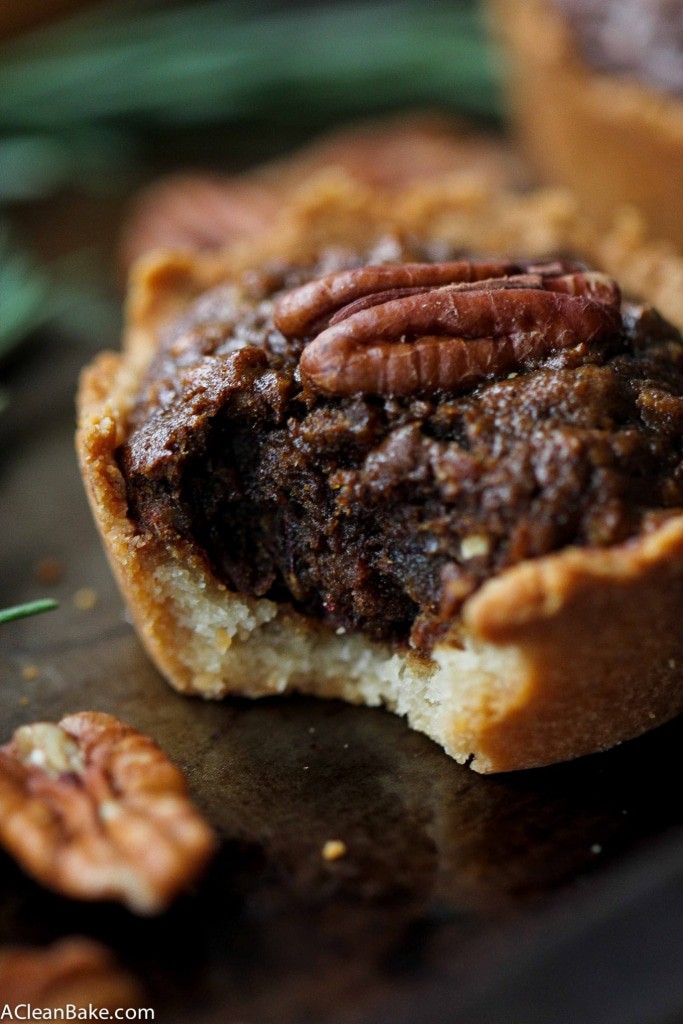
[[62, 294], [23, 611], [85, 156], [24, 289], [80, 100], [208, 61]]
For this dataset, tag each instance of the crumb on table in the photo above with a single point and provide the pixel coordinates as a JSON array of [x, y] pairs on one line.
[[333, 849], [49, 571], [85, 599]]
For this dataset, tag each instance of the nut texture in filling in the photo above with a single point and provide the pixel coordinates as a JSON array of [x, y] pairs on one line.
[[463, 417]]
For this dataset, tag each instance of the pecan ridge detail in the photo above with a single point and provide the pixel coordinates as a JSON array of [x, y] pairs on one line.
[[399, 330], [94, 810]]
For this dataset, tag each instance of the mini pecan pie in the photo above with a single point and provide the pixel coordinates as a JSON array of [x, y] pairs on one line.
[[596, 91], [360, 459]]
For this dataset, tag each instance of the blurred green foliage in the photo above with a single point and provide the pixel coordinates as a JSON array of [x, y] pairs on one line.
[[86, 102], [23, 611]]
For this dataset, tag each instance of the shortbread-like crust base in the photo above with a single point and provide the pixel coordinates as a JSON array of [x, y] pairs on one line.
[[563, 655]]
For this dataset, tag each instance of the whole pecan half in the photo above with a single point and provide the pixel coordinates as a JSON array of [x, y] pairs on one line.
[[398, 330], [73, 972], [95, 810], [305, 307]]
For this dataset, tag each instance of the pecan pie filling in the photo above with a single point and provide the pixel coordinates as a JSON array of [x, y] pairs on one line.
[[639, 38], [371, 441]]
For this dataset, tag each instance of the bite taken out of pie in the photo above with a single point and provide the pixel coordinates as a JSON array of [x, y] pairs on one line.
[[421, 451]]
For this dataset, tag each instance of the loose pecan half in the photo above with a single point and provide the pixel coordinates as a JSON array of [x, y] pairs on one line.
[[95, 810], [73, 972], [398, 330]]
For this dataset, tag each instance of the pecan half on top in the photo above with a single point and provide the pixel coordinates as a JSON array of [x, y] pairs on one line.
[[75, 972], [423, 327], [95, 810]]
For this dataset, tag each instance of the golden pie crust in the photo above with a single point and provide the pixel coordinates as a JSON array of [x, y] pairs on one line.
[[562, 655]]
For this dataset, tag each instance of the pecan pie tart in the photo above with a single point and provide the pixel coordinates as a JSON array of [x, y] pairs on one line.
[[596, 91], [423, 452]]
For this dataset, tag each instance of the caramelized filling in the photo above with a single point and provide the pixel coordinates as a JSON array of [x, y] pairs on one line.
[[384, 512]]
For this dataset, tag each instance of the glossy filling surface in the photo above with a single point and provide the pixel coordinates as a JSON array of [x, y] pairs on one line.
[[382, 513]]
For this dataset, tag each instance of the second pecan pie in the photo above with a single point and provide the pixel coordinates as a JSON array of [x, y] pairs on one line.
[[595, 90], [417, 456]]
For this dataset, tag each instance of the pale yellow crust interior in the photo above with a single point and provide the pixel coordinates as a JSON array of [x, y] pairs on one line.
[[562, 655]]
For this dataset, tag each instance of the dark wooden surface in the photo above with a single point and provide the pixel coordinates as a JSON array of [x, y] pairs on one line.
[[454, 885]]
